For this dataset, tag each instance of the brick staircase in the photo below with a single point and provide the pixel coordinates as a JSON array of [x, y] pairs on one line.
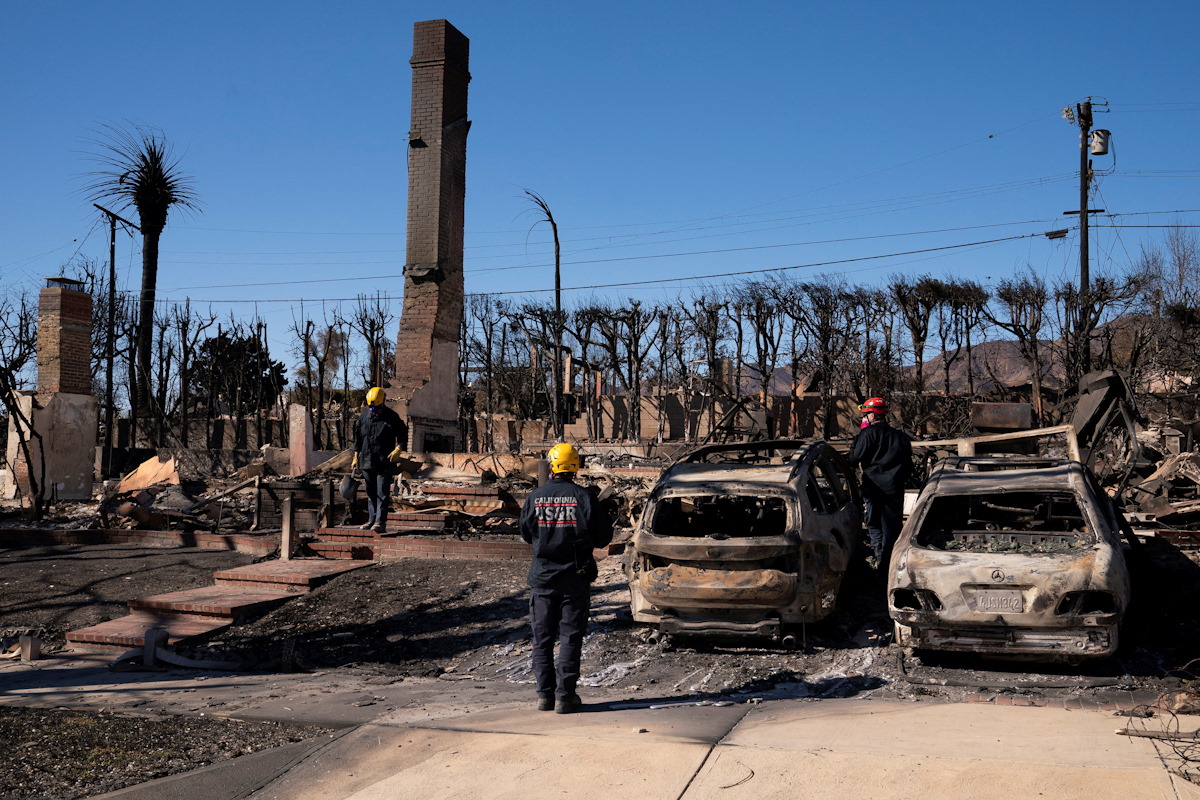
[[250, 591], [238, 594], [351, 543], [423, 534]]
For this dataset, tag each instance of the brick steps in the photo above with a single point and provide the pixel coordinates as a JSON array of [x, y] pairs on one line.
[[126, 633], [192, 614], [351, 543], [358, 551], [296, 576], [441, 547], [235, 602], [437, 517]]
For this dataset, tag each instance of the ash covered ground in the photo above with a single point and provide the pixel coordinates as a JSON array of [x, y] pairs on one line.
[[468, 620], [61, 754]]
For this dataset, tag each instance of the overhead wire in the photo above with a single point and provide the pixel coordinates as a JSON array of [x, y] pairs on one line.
[[854, 209], [734, 273], [750, 248]]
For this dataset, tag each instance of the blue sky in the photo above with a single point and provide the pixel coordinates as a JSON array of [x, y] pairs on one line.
[[671, 139]]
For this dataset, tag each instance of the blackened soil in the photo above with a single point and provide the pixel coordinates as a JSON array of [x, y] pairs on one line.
[[413, 617], [63, 754]]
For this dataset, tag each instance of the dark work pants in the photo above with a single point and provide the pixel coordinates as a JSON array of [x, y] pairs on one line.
[[378, 486], [558, 616], [885, 513]]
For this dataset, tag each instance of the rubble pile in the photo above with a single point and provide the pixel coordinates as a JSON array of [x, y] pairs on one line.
[[1172, 492]]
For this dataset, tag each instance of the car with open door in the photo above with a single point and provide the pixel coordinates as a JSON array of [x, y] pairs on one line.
[[745, 539]]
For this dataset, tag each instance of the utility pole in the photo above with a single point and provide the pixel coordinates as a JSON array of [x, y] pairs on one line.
[[109, 347], [559, 420], [1082, 116]]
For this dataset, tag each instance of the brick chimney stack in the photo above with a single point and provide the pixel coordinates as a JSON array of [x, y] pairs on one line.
[[64, 345], [427, 344]]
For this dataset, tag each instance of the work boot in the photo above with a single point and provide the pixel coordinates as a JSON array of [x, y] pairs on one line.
[[545, 702], [380, 527], [568, 705]]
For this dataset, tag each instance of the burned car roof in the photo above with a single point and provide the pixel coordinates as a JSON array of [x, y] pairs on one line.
[[961, 475], [739, 476]]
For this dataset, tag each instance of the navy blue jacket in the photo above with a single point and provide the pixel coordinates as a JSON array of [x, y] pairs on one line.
[[885, 454], [563, 522], [378, 431]]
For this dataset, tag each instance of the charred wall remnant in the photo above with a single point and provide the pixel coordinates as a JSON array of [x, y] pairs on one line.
[[62, 413], [427, 344]]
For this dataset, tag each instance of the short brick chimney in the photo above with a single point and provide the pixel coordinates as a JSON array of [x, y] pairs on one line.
[[64, 346]]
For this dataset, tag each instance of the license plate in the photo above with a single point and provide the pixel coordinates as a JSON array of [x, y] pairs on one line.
[[1004, 601]]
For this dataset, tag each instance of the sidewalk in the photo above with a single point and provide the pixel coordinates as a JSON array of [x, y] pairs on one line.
[[481, 740], [778, 749]]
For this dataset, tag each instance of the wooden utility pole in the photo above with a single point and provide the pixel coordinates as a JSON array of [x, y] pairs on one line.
[[1082, 116], [109, 347]]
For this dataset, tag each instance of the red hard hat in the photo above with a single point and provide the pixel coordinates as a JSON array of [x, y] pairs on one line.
[[876, 404]]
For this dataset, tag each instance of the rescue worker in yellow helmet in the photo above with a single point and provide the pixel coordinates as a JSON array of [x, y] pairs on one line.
[[564, 523], [380, 437]]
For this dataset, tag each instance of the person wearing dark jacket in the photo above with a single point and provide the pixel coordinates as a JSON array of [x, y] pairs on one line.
[[380, 437], [564, 523], [885, 455]]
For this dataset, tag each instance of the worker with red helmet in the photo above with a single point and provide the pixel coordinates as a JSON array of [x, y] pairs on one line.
[[885, 455]]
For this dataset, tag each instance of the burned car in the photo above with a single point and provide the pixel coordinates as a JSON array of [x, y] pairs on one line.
[[1010, 555], [744, 539]]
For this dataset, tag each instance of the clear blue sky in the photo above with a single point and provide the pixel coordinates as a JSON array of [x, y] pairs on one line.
[[653, 129]]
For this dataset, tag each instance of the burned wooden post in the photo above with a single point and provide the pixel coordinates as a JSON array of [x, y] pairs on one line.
[[287, 536]]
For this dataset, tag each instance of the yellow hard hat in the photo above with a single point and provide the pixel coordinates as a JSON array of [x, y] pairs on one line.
[[375, 396], [563, 457]]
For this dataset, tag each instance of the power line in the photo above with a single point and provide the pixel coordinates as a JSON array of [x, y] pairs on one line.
[[777, 269], [736, 273], [602, 260]]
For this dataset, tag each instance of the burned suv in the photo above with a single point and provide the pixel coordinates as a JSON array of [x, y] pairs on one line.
[[744, 539], [1010, 556]]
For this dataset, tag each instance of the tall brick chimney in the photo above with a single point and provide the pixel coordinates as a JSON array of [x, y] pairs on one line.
[[64, 345], [426, 383]]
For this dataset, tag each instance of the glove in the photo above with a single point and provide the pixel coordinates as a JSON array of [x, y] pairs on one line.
[[396, 456], [354, 463]]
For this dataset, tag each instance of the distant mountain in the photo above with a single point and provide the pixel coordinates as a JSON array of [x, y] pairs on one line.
[[995, 364]]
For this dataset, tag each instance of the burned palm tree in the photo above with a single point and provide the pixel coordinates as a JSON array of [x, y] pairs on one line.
[[139, 169]]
